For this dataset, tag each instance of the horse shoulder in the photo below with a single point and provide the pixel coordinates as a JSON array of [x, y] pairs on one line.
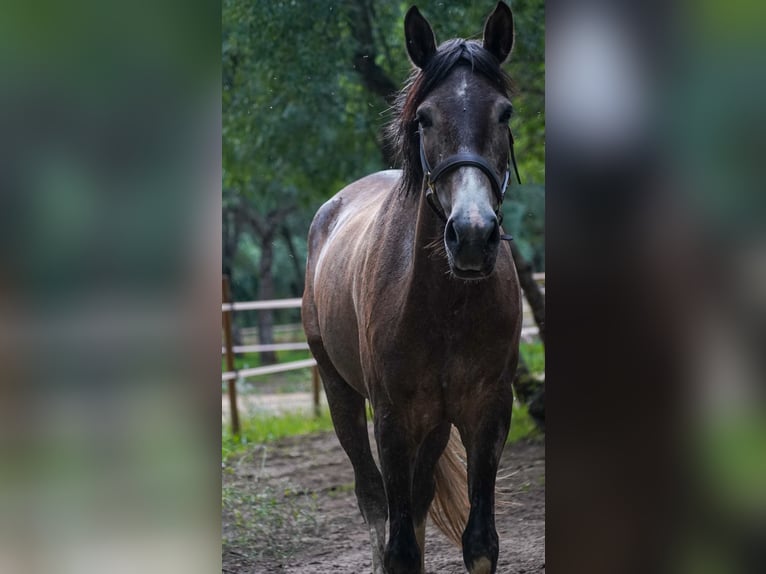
[[339, 245]]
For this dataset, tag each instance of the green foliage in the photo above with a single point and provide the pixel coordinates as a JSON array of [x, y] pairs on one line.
[[291, 129], [534, 356], [524, 217], [730, 456], [522, 425]]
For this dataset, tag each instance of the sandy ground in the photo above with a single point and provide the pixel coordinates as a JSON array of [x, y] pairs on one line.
[[290, 507]]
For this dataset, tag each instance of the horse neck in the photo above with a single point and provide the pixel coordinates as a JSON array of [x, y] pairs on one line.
[[429, 275], [414, 271]]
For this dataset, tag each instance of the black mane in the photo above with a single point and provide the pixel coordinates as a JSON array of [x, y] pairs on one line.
[[403, 129]]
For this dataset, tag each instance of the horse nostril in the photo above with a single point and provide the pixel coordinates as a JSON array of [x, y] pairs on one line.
[[450, 234]]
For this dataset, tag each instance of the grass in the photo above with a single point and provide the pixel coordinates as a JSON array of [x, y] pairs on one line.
[[522, 425], [534, 356], [261, 429], [264, 522]]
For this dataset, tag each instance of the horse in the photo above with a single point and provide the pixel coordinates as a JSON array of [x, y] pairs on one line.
[[412, 302]]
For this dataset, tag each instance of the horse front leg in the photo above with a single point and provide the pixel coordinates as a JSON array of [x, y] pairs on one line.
[[402, 554], [484, 437]]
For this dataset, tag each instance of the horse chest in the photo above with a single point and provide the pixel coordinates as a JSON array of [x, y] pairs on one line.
[[441, 354]]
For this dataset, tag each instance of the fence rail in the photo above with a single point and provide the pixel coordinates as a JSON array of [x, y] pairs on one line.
[[239, 349], [262, 305], [269, 369]]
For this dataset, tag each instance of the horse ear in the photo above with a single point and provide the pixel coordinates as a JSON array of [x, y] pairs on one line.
[[421, 42], [498, 32]]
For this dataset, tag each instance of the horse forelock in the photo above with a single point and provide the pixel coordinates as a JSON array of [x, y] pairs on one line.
[[403, 129]]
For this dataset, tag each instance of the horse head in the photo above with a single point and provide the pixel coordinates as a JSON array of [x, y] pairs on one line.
[[460, 113]]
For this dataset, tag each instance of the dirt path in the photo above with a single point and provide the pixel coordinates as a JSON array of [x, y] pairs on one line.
[[290, 507]]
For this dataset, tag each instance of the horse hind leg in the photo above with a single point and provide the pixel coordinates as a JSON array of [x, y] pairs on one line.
[[423, 486], [347, 410]]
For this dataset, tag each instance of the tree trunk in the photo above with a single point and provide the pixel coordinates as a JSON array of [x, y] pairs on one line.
[[232, 230], [531, 289], [374, 78], [265, 228], [531, 391], [297, 267], [266, 292]]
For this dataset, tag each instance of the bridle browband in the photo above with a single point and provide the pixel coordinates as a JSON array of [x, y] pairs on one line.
[[471, 160]]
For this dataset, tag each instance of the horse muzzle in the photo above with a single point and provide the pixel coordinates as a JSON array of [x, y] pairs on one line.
[[472, 243]]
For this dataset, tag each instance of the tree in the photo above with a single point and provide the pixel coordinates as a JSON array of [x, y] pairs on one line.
[[283, 115]]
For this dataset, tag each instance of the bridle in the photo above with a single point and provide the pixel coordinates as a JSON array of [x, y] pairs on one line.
[[472, 160]]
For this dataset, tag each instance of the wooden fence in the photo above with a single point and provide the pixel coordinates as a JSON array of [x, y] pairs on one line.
[[231, 375]]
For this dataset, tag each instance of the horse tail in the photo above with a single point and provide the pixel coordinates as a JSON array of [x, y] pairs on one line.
[[449, 510]]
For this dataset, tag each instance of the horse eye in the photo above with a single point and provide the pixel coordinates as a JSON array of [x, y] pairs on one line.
[[423, 120], [505, 117]]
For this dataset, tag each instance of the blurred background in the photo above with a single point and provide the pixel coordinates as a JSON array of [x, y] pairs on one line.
[[656, 256], [110, 202]]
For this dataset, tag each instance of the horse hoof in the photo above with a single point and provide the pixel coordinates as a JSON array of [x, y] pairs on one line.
[[481, 566]]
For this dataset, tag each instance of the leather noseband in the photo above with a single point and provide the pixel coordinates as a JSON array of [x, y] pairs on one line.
[[462, 160]]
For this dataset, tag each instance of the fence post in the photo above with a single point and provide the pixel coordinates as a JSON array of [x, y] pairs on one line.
[[230, 366], [315, 387]]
